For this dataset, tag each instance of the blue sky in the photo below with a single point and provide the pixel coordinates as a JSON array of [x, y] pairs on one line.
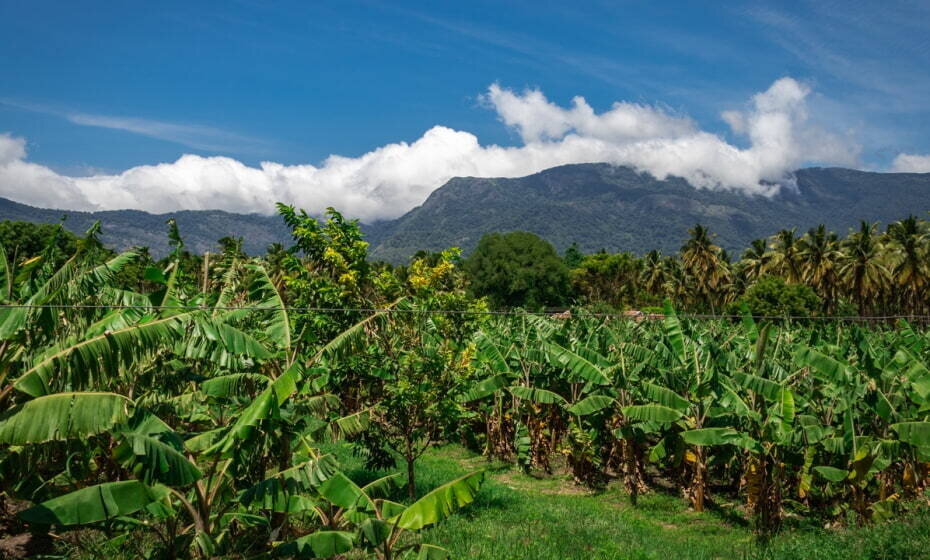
[[101, 87]]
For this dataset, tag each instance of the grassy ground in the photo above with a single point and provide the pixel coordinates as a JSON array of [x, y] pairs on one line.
[[518, 516]]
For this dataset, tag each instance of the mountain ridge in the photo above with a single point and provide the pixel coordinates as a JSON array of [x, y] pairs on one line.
[[617, 208], [122, 229]]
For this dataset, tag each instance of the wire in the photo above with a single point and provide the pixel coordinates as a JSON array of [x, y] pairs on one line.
[[551, 314]]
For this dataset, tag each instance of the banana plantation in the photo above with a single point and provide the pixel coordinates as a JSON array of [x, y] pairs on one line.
[[188, 408]]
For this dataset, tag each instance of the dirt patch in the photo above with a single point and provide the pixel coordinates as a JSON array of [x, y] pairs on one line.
[[557, 484], [15, 539], [25, 545], [554, 486]]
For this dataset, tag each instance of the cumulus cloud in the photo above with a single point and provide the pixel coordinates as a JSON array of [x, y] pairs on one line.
[[911, 163], [388, 181], [537, 120]]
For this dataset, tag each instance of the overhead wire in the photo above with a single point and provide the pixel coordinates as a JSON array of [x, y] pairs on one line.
[[556, 314]]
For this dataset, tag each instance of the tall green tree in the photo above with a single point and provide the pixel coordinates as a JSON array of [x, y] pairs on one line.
[[862, 270], [820, 254], [786, 258], [611, 278], [909, 266], [573, 256], [24, 240], [517, 269], [702, 261]]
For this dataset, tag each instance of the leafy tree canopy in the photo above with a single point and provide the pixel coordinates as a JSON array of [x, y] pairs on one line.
[[517, 269], [771, 295], [573, 256], [26, 239]]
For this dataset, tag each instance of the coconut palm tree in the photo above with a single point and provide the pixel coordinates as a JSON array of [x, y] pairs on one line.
[[653, 276], [908, 256], [755, 260], [678, 285], [702, 260], [785, 260], [819, 254], [862, 271]]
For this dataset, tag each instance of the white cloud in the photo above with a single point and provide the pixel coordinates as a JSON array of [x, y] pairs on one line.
[[911, 163], [394, 178], [536, 119]]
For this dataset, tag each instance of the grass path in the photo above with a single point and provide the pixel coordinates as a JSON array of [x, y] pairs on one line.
[[519, 516]]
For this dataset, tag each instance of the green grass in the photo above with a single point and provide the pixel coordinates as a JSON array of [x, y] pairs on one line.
[[519, 516]]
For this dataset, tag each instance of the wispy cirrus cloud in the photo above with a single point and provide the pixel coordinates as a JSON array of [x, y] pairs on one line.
[[540, 53], [197, 136], [853, 43], [871, 57]]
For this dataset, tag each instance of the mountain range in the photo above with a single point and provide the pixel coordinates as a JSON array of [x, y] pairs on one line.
[[597, 206], [122, 229]]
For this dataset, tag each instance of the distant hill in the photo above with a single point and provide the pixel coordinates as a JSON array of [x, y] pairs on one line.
[[123, 229], [616, 208], [596, 205]]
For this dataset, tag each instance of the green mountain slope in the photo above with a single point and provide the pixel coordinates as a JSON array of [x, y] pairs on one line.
[[123, 229], [604, 206]]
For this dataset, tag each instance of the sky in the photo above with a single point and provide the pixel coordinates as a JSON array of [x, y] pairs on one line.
[[370, 106]]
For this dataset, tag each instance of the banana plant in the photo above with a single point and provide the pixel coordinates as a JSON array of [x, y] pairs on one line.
[[683, 408], [360, 518]]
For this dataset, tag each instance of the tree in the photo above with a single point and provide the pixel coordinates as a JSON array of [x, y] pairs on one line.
[[819, 253], [610, 278], [785, 260], [755, 260], [573, 256], [24, 240], [517, 269], [326, 268], [653, 274], [426, 361], [862, 271], [703, 263], [910, 260], [772, 296]]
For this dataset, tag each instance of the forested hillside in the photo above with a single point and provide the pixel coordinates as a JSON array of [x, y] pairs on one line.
[[123, 229], [615, 208]]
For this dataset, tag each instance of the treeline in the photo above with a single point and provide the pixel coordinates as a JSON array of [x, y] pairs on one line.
[[867, 272], [870, 271]]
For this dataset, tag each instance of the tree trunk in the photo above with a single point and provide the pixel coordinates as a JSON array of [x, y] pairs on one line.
[[634, 475], [697, 484], [411, 478]]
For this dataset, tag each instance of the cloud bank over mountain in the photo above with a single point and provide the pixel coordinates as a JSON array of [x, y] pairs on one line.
[[775, 131], [911, 163]]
